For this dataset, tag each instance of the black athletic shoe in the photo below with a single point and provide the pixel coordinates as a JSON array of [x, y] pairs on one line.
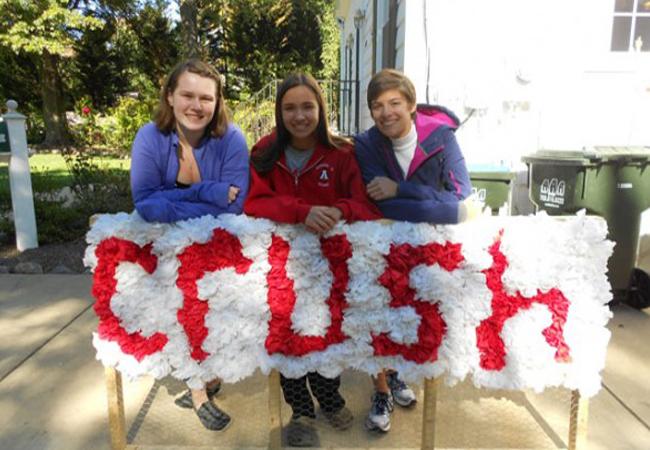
[[212, 417]]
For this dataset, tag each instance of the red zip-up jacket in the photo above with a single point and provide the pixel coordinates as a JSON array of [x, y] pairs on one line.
[[331, 177]]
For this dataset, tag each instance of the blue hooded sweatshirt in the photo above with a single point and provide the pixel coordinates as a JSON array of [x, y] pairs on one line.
[[437, 180], [222, 162]]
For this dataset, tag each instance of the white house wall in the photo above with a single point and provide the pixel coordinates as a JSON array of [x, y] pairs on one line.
[[537, 75]]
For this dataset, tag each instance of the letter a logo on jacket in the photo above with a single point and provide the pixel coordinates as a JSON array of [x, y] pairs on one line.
[[323, 172]]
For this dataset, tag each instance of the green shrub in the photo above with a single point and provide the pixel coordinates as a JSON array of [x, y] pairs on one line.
[[35, 127], [87, 134], [114, 131], [255, 120], [56, 224], [125, 119], [7, 234], [108, 192], [97, 188]]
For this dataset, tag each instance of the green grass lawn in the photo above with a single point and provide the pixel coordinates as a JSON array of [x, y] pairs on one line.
[[50, 172]]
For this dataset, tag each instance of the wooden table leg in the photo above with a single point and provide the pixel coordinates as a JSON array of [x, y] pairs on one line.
[[578, 421], [275, 411], [429, 414], [116, 420]]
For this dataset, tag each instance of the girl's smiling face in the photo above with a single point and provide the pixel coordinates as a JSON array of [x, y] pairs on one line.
[[392, 113], [300, 116], [194, 102]]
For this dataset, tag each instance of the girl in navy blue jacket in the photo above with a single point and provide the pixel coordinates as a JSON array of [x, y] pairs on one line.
[[414, 171], [191, 162], [410, 159]]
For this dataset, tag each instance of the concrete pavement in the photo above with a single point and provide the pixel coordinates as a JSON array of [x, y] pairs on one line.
[[52, 393]]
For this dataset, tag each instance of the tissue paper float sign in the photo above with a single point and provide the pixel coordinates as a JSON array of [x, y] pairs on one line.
[[513, 302]]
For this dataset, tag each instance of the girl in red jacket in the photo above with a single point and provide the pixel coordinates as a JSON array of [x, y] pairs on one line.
[[301, 173]]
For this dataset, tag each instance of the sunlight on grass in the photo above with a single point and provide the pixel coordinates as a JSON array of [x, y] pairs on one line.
[[50, 172], [55, 162]]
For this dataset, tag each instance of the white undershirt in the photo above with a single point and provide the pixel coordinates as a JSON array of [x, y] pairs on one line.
[[405, 149]]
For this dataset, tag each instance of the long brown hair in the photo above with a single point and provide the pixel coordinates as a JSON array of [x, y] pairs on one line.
[[264, 160], [164, 116]]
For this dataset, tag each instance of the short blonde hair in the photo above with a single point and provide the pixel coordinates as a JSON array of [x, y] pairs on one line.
[[164, 116]]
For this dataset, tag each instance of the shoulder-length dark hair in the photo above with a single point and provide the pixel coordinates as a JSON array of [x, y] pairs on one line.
[[264, 159], [164, 116]]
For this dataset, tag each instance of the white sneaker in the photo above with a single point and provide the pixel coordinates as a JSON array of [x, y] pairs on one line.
[[402, 393], [380, 409]]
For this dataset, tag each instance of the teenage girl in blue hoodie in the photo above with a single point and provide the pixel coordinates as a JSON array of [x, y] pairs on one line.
[[191, 161]]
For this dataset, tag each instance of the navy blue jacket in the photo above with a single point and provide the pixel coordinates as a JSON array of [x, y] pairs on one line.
[[437, 180]]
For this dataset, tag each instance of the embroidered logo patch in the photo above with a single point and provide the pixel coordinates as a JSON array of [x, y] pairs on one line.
[[324, 172]]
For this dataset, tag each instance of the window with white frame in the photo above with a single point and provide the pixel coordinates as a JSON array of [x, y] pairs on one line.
[[631, 27]]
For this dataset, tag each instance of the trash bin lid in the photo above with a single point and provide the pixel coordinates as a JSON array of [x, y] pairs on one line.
[[561, 157], [590, 155], [622, 153]]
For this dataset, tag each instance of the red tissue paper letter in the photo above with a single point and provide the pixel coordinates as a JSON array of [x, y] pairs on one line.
[[282, 298], [401, 260], [222, 251], [488, 333], [110, 253]]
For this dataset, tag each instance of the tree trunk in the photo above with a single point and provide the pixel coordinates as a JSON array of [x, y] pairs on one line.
[[56, 126], [189, 29]]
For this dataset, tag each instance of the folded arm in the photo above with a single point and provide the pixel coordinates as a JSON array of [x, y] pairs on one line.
[[154, 202]]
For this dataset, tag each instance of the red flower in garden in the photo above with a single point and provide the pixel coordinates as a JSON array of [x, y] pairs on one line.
[[85, 110]]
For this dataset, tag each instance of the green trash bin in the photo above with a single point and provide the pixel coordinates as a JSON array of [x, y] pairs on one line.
[[492, 185], [612, 182]]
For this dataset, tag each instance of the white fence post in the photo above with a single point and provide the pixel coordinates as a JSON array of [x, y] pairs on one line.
[[22, 199]]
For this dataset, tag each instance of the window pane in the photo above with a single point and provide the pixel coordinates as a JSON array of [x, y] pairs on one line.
[[642, 33], [621, 34], [644, 6], [624, 5]]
